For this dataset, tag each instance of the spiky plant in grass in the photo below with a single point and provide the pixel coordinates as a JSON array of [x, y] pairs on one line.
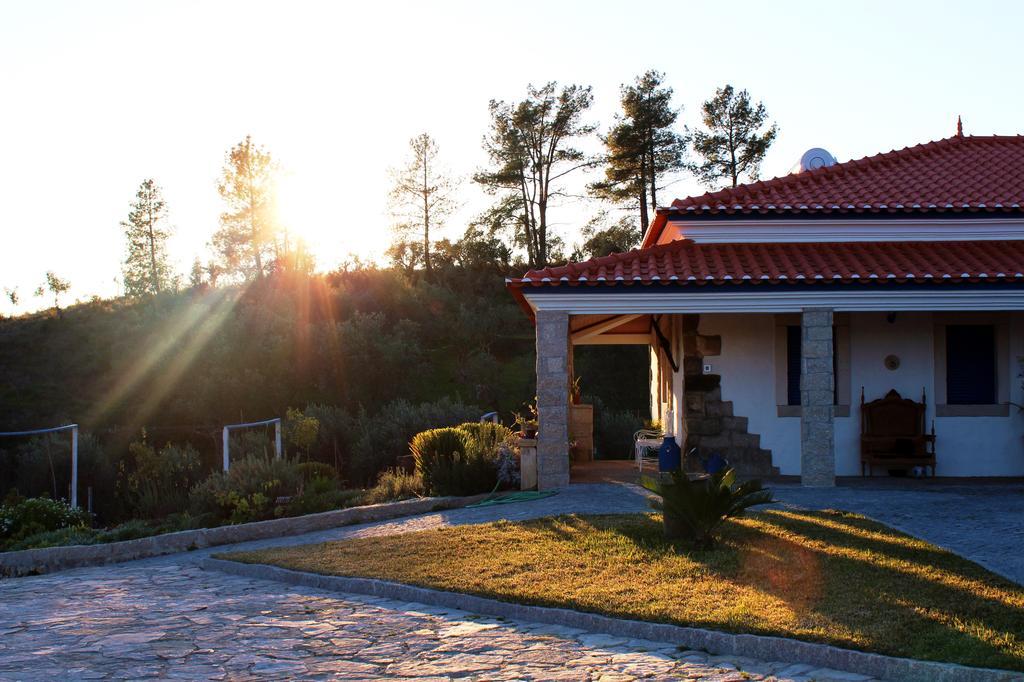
[[693, 510]]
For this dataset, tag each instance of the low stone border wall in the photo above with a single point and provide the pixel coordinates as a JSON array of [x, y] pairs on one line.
[[49, 559], [718, 643]]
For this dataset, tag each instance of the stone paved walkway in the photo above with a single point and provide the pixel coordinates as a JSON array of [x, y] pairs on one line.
[[984, 523], [164, 620], [164, 617]]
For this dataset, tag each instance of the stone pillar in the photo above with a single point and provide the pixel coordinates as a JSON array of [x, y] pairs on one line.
[[552, 398], [817, 379]]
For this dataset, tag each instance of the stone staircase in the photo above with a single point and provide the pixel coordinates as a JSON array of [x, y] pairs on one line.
[[711, 424]]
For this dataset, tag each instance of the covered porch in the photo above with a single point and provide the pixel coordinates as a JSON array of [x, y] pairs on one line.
[[777, 384]]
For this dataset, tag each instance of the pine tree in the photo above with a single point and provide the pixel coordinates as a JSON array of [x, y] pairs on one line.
[[531, 153], [733, 145], [146, 269], [642, 148], [248, 229], [422, 197]]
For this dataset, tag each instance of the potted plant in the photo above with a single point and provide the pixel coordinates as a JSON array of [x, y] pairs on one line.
[[527, 423], [693, 510], [575, 392]]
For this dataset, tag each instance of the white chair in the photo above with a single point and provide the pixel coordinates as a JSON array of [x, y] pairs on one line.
[[644, 441]]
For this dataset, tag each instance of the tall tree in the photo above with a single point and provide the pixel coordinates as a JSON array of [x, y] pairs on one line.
[[246, 238], [531, 153], [422, 195], [146, 270], [733, 144], [642, 148]]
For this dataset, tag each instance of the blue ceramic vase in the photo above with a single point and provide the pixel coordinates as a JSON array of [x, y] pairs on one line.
[[669, 455]]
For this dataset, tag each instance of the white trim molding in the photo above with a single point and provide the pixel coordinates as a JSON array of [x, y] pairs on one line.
[[772, 299], [843, 230]]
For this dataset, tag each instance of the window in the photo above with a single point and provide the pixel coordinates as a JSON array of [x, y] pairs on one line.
[[971, 364], [793, 365]]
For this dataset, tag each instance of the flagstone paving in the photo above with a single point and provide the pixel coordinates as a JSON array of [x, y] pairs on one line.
[[165, 617], [167, 620]]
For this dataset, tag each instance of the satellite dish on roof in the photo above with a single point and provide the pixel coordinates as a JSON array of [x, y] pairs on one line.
[[813, 159]]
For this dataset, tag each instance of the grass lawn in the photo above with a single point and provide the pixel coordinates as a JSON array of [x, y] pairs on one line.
[[819, 576]]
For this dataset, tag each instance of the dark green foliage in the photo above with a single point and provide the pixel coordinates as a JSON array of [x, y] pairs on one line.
[[732, 145], [385, 437], [395, 484], [461, 460], [375, 356], [642, 148], [322, 494], [601, 237], [529, 146], [22, 518], [693, 510], [313, 470], [428, 448], [157, 484], [248, 491]]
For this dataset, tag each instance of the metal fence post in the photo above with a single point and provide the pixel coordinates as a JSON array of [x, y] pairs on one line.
[[226, 449], [277, 438], [74, 467]]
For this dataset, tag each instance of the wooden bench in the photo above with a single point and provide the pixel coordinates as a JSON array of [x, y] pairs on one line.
[[892, 434]]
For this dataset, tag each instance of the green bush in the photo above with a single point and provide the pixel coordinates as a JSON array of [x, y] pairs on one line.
[[158, 483], [487, 432], [320, 495], [382, 438], [248, 491], [39, 515], [475, 470], [395, 484], [460, 460], [313, 470]]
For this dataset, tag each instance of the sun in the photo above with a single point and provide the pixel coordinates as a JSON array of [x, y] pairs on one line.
[[310, 206]]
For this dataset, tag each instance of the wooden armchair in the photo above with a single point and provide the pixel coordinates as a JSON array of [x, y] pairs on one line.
[[892, 433]]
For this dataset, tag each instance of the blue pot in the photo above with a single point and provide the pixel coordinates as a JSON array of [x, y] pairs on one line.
[[670, 456]]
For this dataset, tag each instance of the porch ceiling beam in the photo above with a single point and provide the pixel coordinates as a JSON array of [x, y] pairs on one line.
[[616, 340], [582, 335], [775, 299]]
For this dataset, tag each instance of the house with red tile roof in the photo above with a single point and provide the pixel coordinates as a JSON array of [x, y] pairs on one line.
[[847, 319]]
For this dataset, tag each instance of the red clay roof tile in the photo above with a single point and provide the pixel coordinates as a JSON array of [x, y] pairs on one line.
[[956, 175], [685, 262]]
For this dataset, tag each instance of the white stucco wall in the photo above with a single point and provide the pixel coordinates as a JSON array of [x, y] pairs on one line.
[[966, 446]]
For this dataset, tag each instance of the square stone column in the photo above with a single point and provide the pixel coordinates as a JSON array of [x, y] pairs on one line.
[[553, 363], [817, 381]]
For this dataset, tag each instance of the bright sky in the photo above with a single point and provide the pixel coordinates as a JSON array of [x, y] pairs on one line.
[[98, 96]]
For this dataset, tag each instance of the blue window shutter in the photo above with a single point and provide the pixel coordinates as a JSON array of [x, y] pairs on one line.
[[793, 343], [792, 365], [970, 364]]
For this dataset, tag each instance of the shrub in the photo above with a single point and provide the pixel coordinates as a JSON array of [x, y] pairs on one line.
[[248, 491], [693, 510], [159, 482], [314, 470], [39, 515], [464, 473], [320, 495], [380, 440], [395, 484], [461, 460], [334, 437], [487, 432], [301, 430], [428, 447]]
